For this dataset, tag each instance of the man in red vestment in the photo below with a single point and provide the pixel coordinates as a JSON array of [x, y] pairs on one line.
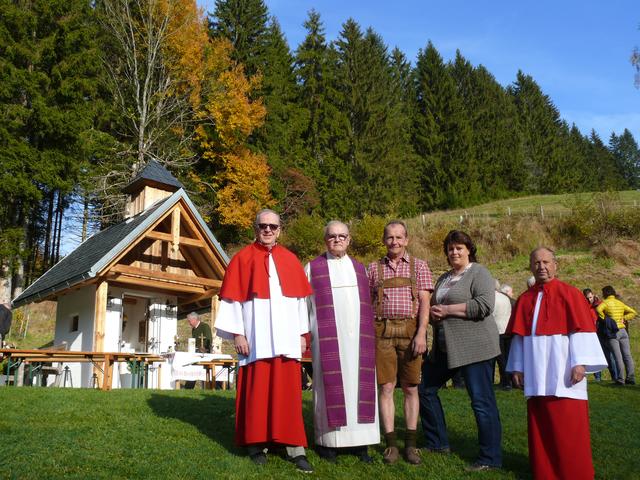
[[263, 310], [554, 345]]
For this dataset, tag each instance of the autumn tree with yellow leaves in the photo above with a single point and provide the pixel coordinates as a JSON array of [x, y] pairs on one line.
[[184, 102], [237, 176]]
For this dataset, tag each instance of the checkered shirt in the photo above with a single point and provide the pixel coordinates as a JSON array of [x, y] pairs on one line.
[[397, 301]]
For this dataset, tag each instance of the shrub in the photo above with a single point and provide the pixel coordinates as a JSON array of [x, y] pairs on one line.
[[600, 220], [304, 236], [366, 237]]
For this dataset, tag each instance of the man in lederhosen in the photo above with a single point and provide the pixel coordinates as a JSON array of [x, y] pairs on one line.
[[401, 287]]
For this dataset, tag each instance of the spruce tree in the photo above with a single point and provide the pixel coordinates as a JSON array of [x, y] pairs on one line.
[[50, 100], [627, 157], [373, 102], [316, 68], [406, 162], [540, 124], [442, 137], [280, 139], [496, 138], [581, 176], [245, 24]]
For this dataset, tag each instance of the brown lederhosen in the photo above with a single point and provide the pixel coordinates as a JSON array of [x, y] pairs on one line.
[[393, 335]]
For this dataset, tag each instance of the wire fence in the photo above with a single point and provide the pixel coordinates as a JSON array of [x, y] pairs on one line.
[[549, 210]]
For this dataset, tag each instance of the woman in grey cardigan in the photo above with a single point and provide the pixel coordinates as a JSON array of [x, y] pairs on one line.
[[465, 339]]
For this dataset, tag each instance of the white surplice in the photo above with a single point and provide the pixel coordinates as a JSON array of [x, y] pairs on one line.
[[547, 360], [272, 326], [346, 304]]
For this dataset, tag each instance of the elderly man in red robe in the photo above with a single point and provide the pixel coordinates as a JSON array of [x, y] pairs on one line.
[[263, 310], [554, 345]]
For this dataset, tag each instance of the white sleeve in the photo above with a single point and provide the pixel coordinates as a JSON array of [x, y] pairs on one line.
[[515, 362], [311, 304], [229, 321], [303, 315], [584, 349]]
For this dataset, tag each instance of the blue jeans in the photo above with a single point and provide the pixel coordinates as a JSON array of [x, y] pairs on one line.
[[478, 379], [622, 351], [611, 358]]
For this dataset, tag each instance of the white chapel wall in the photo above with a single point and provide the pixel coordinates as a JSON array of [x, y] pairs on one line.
[[80, 304]]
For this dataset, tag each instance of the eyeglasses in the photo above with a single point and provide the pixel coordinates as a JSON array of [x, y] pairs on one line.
[[272, 226], [339, 236]]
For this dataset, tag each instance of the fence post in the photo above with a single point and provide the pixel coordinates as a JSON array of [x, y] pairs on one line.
[[541, 211]]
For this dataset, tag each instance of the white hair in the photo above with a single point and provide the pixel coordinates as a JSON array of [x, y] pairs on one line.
[[332, 223]]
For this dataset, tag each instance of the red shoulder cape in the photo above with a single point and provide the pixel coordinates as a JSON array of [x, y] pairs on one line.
[[247, 275], [563, 310]]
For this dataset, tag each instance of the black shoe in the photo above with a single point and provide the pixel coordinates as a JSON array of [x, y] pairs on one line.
[[365, 458], [327, 453], [302, 464], [363, 454], [479, 467], [441, 451], [258, 458], [630, 382]]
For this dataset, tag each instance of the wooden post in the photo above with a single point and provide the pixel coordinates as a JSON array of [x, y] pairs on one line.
[[108, 373], [99, 318], [175, 230], [215, 304]]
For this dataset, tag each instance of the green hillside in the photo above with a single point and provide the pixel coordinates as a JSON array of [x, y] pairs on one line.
[[595, 238], [552, 205]]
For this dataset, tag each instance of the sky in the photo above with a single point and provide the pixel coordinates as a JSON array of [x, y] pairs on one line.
[[577, 51]]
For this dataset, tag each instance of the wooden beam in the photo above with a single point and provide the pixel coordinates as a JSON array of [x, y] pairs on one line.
[[99, 320], [203, 296], [198, 263], [173, 277], [134, 244], [167, 237], [216, 263], [141, 283], [209, 258], [175, 230], [129, 286], [164, 260], [215, 304]]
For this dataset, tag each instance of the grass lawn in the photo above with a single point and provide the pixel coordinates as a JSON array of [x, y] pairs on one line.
[[147, 434], [551, 204]]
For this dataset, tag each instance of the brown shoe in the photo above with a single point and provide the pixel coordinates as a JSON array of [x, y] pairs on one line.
[[391, 455], [412, 456]]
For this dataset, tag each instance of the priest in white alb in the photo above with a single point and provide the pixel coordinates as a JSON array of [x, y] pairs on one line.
[[554, 345], [343, 351], [264, 312]]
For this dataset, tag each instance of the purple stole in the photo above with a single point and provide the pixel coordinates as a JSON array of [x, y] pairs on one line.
[[330, 350]]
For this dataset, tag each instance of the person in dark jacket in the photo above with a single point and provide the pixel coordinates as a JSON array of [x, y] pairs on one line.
[[5, 321]]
